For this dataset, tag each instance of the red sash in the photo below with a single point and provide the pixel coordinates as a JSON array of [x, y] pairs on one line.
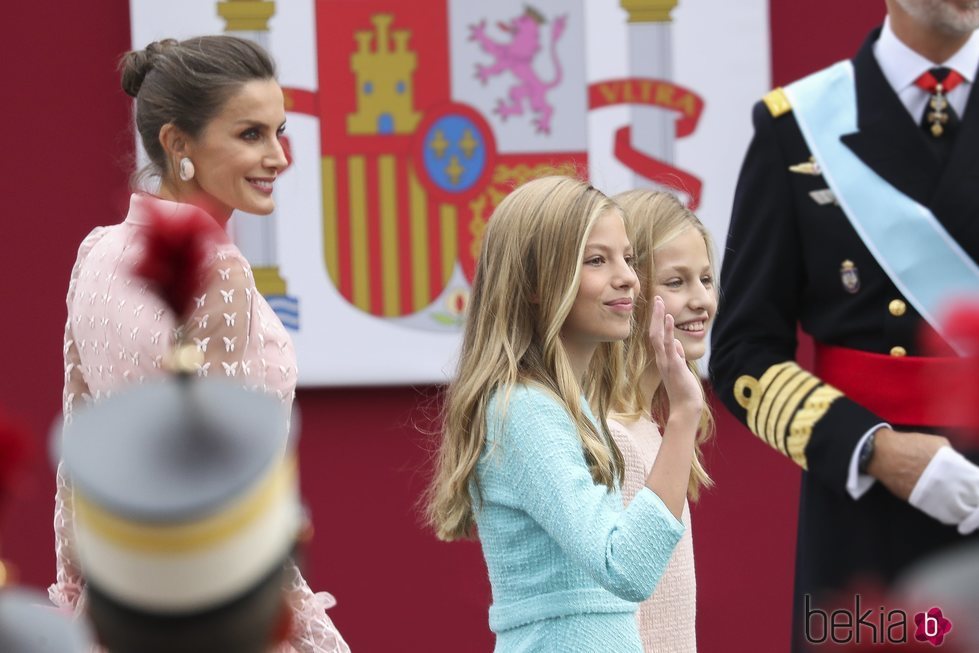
[[909, 390]]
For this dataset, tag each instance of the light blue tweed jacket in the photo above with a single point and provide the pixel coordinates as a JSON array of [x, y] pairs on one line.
[[567, 563]]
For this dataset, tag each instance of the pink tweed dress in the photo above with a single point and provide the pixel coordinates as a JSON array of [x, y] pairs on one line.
[[667, 619]]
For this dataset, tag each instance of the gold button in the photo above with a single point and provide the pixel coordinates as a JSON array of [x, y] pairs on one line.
[[899, 351], [897, 307]]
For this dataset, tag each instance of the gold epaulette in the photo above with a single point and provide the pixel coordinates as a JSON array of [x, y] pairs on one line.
[[777, 102]]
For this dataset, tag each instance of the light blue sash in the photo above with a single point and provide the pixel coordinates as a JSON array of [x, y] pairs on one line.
[[925, 263]]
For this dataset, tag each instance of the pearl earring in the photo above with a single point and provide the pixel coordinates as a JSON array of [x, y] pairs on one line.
[[186, 169]]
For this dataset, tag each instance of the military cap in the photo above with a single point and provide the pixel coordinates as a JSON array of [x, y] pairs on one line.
[[185, 493]]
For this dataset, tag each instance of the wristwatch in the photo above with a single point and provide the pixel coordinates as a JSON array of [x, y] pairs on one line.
[[866, 454]]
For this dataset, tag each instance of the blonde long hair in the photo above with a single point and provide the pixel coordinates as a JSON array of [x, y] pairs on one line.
[[653, 219], [526, 281]]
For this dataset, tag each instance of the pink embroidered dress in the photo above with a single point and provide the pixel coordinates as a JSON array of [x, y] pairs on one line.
[[118, 332]]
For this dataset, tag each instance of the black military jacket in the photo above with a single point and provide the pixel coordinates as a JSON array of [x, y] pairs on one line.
[[793, 258]]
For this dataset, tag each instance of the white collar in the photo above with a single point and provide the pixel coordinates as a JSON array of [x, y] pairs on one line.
[[901, 65]]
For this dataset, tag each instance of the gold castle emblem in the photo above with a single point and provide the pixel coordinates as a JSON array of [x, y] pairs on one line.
[[385, 80]]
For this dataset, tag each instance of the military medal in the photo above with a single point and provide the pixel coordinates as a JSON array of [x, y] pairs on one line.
[[938, 115], [823, 196], [809, 167], [850, 276], [939, 82]]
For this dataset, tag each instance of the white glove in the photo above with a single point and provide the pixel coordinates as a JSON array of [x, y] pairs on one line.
[[948, 490]]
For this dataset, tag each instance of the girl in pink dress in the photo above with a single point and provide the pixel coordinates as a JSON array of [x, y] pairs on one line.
[[209, 113], [675, 261]]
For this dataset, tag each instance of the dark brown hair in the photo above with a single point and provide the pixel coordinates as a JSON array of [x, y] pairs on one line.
[[187, 83]]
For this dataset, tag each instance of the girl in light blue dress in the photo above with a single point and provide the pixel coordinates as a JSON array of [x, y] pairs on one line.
[[524, 464]]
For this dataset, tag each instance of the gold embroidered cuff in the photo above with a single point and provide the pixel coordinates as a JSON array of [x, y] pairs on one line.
[[784, 406]]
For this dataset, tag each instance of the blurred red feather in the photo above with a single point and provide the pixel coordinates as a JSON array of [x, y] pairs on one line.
[[175, 250], [14, 450]]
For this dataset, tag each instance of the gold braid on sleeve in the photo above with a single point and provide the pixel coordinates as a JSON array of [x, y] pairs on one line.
[[784, 406]]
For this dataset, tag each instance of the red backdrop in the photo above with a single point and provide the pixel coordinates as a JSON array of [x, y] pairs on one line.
[[364, 460]]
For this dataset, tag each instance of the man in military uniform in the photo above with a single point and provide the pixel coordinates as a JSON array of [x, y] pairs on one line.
[[856, 216]]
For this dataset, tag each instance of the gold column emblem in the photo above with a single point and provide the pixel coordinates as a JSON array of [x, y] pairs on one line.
[[246, 15], [649, 11]]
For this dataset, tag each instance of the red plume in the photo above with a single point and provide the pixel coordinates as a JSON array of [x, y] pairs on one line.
[[955, 389], [175, 249]]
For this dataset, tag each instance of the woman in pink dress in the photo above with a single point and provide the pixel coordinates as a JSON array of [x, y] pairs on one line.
[[209, 113]]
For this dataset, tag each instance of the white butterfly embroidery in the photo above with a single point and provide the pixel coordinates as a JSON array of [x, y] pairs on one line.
[[202, 369], [68, 344], [137, 310], [157, 361], [222, 256], [122, 302], [202, 344], [245, 369], [158, 313], [230, 369], [202, 321], [230, 319], [134, 357], [155, 337], [225, 273], [133, 333], [228, 295], [199, 301], [285, 371], [229, 343]]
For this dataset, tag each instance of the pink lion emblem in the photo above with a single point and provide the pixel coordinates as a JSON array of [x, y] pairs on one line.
[[517, 56]]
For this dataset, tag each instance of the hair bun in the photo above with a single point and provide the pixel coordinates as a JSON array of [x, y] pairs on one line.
[[136, 64]]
